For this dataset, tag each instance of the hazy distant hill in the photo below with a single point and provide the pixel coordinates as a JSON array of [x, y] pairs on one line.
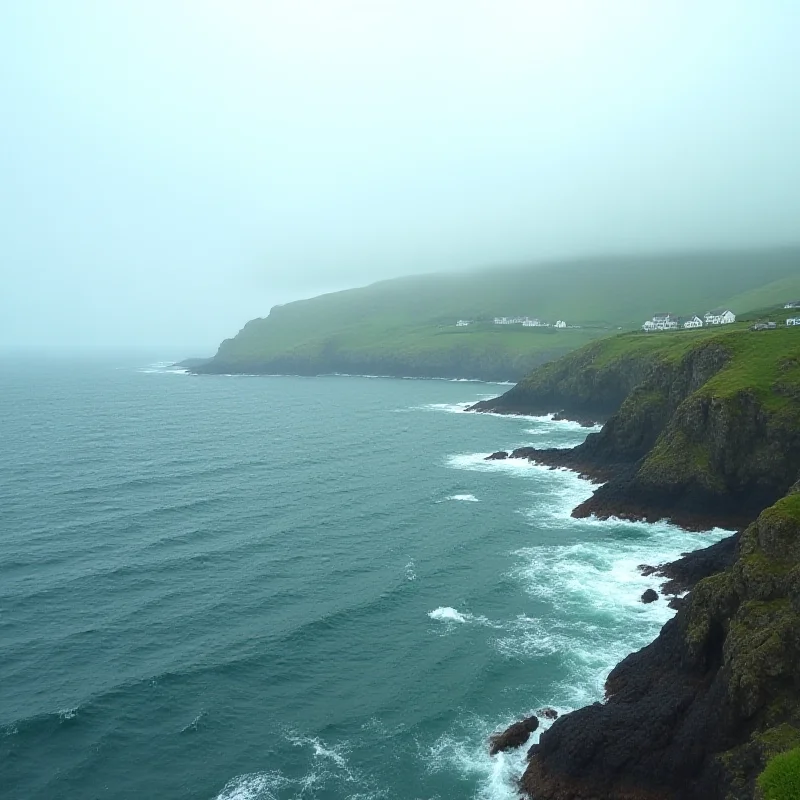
[[406, 326]]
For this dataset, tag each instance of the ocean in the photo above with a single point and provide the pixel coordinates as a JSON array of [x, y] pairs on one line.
[[269, 588]]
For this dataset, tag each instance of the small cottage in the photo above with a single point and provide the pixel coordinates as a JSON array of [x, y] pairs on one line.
[[693, 322], [793, 321], [793, 304], [561, 324], [720, 316], [462, 323]]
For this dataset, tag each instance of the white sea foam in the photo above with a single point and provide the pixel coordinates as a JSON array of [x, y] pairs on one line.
[[586, 590], [322, 751], [328, 766], [253, 786], [464, 750], [451, 617], [193, 725], [466, 498], [163, 368], [476, 462], [594, 590], [447, 614], [450, 408]]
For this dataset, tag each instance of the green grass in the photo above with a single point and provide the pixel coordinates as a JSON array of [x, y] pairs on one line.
[[781, 778], [770, 295], [787, 508], [415, 317], [761, 359]]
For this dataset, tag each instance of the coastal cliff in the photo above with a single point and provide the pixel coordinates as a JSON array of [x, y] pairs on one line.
[[699, 713], [702, 429]]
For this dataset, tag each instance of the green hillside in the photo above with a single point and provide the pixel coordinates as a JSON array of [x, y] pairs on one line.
[[407, 326], [769, 295]]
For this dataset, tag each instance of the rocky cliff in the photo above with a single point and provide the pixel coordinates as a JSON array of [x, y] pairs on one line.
[[707, 432], [697, 714], [702, 430]]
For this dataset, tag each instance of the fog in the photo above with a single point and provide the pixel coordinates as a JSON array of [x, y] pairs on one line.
[[171, 169]]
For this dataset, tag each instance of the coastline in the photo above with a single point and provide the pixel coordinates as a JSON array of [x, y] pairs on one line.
[[698, 713]]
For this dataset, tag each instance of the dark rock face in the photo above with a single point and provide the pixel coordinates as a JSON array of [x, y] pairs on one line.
[[500, 455], [673, 451], [513, 736], [573, 388], [650, 596], [696, 714], [684, 573], [549, 713]]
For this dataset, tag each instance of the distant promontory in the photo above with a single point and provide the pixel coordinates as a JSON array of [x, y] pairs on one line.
[[498, 324]]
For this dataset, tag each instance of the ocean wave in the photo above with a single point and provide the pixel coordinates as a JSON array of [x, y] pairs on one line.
[[163, 368], [451, 616], [450, 408], [466, 498], [594, 590], [254, 786], [464, 750], [477, 462], [328, 773], [195, 723]]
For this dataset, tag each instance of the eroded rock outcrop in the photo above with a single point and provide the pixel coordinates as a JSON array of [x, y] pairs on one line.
[[513, 736]]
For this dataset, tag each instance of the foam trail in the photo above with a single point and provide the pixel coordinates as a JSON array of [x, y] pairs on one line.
[[466, 498]]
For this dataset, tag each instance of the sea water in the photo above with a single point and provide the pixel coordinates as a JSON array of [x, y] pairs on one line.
[[273, 587]]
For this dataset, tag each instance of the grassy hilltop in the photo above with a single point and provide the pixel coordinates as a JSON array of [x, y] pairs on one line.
[[406, 326]]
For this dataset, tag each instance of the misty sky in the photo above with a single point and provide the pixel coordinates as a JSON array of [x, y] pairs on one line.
[[171, 168]]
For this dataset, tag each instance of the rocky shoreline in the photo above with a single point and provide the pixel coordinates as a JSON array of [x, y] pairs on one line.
[[701, 711]]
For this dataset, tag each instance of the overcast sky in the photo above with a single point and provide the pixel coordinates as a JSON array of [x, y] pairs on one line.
[[172, 168]]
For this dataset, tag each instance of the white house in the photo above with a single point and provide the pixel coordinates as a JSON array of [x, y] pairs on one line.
[[793, 304], [793, 321], [561, 324], [720, 316], [462, 323], [693, 322], [509, 320], [531, 323], [661, 322]]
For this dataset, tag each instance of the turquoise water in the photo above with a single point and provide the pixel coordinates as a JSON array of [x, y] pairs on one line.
[[219, 587]]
